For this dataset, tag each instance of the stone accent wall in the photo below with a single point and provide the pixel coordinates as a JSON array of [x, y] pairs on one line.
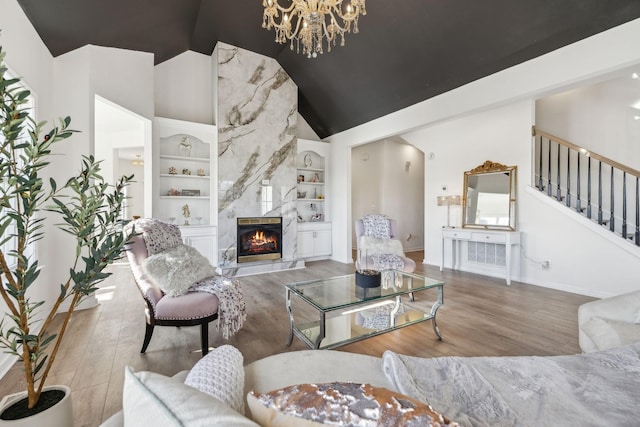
[[257, 105]]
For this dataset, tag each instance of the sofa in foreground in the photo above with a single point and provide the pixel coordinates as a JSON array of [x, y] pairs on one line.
[[593, 389], [609, 322]]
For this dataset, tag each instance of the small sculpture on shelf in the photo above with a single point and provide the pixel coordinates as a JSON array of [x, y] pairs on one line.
[[200, 172], [300, 178], [173, 170], [185, 145], [186, 171], [173, 192], [186, 213]]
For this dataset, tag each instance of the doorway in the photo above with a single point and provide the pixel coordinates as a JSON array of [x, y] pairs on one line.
[[123, 143], [387, 177]]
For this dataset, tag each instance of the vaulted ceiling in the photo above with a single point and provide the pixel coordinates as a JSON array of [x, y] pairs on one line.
[[407, 51]]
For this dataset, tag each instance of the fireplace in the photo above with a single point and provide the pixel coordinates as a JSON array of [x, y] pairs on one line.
[[259, 239]]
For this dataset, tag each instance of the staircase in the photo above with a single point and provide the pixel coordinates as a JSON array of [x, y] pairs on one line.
[[592, 185]]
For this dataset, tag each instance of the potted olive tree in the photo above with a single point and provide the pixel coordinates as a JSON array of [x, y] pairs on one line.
[[85, 206]]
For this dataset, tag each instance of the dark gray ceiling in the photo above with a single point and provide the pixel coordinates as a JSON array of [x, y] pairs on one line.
[[407, 50]]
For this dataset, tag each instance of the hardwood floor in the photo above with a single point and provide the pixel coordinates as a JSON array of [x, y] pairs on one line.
[[481, 316]]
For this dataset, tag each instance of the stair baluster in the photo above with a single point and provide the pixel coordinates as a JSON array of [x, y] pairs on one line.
[[549, 171], [568, 177], [637, 236], [600, 192], [578, 201], [589, 187], [540, 185], [612, 219], [624, 204], [558, 190]]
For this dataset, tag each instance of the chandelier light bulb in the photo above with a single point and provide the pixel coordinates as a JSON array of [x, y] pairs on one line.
[[312, 24]]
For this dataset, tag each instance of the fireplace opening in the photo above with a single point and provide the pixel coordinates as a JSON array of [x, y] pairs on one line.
[[259, 239]]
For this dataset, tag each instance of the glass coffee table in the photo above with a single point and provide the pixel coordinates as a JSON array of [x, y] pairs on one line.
[[347, 313]]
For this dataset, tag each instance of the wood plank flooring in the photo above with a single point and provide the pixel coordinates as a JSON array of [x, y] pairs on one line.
[[481, 316]]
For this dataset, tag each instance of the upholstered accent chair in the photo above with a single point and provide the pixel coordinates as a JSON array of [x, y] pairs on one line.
[[371, 244], [190, 309]]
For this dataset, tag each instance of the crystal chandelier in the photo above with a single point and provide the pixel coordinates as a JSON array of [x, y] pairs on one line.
[[307, 22]]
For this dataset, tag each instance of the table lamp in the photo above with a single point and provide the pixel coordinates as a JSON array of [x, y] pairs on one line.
[[449, 201]]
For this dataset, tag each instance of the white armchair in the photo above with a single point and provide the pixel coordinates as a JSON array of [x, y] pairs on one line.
[[366, 251], [609, 322]]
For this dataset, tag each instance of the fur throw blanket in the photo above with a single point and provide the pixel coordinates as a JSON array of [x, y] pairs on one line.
[[183, 269]]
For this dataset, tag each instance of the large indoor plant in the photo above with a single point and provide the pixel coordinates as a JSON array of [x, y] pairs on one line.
[[86, 207]]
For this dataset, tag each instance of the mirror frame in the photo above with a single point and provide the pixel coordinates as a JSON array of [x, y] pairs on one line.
[[490, 167]]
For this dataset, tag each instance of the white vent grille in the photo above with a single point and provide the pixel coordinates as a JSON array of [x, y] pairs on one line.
[[487, 253]]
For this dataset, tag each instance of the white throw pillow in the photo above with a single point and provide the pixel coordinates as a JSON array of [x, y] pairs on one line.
[[177, 269], [220, 374], [371, 246], [153, 399], [607, 333]]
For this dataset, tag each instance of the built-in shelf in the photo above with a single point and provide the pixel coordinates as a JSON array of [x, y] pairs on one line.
[[186, 197], [168, 175], [310, 183], [193, 159], [311, 169], [185, 172], [310, 200]]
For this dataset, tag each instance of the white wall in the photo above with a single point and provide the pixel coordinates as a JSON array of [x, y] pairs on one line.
[[598, 117], [28, 58], [511, 93], [367, 164], [501, 135], [183, 88]]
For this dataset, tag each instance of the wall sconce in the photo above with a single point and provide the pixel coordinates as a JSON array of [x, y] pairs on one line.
[[449, 201]]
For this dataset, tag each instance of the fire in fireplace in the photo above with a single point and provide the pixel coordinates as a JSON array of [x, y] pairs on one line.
[[259, 239]]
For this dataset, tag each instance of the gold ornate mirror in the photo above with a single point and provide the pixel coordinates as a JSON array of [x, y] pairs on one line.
[[489, 200]]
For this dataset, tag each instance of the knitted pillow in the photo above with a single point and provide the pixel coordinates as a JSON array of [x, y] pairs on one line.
[[176, 270], [158, 235], [220, 374]]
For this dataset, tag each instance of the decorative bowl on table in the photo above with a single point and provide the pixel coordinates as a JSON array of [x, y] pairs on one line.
[[367, 278]]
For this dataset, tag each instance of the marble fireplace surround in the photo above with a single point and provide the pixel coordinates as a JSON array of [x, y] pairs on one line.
[[256, 107]]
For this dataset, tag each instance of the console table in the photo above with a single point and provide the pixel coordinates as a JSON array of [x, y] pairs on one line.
[[510, 240]]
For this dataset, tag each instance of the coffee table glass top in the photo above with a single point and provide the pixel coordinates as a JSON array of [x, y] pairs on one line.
[[346, 312], [339, 292]]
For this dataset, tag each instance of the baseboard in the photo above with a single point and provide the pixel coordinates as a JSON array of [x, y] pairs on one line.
[[87, 302], [567, 288]]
